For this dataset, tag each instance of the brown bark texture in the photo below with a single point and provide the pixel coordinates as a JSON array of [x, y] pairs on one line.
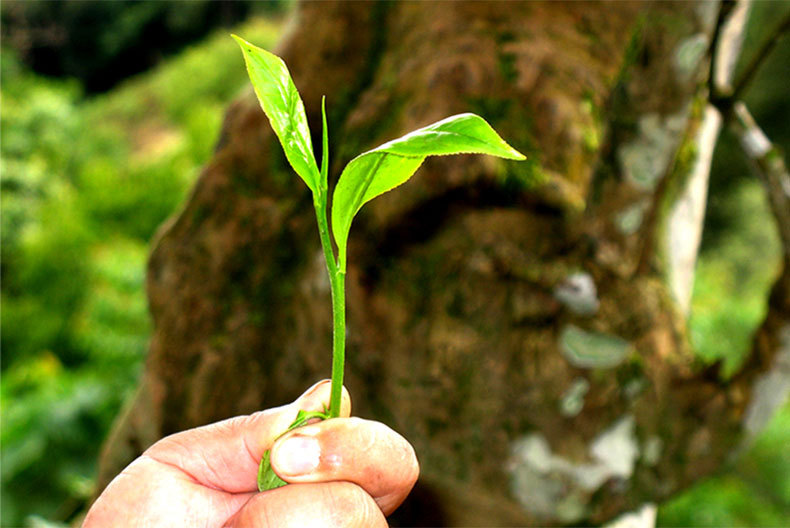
[[512, 320]]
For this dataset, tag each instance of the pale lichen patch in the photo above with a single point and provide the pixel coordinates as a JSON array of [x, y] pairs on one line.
[[634, 388], [531, 483], [553, 487], [646, 159], [689, 54], [586, 349], [629, 220], [572, 401], [578, 293], [617, 448], [651, 450], [572, 508], [706, 14], [644, 517]]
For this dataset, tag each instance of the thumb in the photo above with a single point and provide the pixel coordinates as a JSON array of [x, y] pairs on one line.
[[225, 455]]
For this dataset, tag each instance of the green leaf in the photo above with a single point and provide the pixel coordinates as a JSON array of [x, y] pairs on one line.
[[324, 146], [282, 105], [267, 478], [391, 164]]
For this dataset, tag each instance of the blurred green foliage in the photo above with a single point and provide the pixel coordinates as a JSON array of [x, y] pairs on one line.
[[86, 181], [101, 43], [85, 184], [721, 325], [733, 277], [754, 492]]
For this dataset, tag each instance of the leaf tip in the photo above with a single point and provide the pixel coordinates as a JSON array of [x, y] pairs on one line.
[[516, 155], [245, 45]]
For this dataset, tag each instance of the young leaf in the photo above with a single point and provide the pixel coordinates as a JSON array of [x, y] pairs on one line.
[[324, 146], [391, 164], [267, 478], [282, 105]]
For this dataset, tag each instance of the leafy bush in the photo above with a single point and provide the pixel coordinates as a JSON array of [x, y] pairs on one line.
[[731, 285], [85, 183]]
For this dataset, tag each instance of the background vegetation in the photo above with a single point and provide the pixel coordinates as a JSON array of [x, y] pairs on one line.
[[86, 181]]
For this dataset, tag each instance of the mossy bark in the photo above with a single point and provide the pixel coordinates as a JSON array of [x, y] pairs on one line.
[[458, 330]]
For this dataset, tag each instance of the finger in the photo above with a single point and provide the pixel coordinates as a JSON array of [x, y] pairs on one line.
[[330, 505], [364, 452], [225, 455]]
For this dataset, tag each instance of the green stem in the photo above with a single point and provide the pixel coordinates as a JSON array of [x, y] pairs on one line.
[[337, 276], [337, 285], [337, 281]]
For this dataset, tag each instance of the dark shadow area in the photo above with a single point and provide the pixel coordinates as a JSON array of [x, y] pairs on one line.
[[101, 43]]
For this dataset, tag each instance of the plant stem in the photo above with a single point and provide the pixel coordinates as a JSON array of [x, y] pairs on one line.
[[337, 281], [337, 285], [336, 276]]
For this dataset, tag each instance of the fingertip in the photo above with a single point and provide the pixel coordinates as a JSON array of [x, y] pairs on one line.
[[317, 390], [317, 398], [345, 403]]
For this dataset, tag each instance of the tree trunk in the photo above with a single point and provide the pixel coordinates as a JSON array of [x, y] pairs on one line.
[[517, 322]]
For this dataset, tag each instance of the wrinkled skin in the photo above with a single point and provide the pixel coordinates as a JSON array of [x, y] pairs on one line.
[[343, 472]]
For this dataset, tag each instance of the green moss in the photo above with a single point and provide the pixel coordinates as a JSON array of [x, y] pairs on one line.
[[591, 139], [632, 51], [507, 66], [245, 184], [591, 133], [495, 110], [200, 214]]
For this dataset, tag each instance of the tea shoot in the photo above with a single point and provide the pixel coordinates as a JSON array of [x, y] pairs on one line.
[[367, 176]]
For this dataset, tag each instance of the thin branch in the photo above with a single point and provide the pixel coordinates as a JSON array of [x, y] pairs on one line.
[[724, 13], [765, 157], [729, 39], [754, 65], [769, 165]]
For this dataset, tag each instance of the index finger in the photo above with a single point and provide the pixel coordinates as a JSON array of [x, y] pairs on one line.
[[225, 455]]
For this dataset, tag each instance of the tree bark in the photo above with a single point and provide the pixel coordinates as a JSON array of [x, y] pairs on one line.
[[515, 321]]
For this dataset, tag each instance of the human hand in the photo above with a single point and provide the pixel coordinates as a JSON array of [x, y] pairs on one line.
[[343, 472]]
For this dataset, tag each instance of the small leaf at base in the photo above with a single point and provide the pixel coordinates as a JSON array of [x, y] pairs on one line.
[[267, 478]]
